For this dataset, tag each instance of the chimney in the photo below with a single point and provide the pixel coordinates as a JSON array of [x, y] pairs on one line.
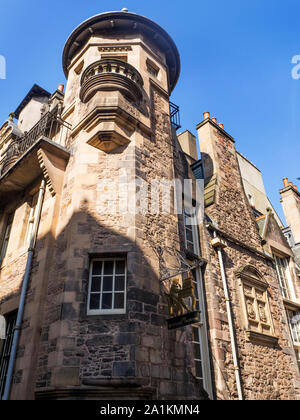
[[188, 144], [206, 115], [221, 126], [61, 88], [290, 199], [214, 120]]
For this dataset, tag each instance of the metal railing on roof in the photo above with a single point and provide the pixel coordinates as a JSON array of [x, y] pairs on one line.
[[175, 115]]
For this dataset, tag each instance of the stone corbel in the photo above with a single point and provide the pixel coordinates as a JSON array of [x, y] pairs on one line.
[[108, 127], [53, 168]]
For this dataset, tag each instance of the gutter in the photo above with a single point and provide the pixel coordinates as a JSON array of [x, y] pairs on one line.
[[18, 326]]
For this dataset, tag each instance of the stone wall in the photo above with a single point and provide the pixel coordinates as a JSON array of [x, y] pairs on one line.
[[267, 372], [79, 350]]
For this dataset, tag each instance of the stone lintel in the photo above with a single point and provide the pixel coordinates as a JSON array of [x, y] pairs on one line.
[[262, 339]]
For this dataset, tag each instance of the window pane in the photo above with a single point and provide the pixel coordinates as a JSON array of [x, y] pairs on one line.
[[97, 267], [108, 267], [107, 301], [190, 246], [107, 284], [189, 235], [196, 334], [95, 301], [196, 291], [119, 300], [120, 283], [197, 351], [199, 369], [120, 267], [96, 284], [6, 350]]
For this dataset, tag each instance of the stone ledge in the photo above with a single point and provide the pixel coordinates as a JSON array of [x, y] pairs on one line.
[[95, 393], [260, 338]]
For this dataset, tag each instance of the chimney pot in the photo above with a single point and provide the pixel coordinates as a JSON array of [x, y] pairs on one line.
[[61, 88], [221, 125], [285, 182], [214, 120], [206, 115]]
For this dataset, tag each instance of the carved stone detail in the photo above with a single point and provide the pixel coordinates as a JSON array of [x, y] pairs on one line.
[[110, 74]]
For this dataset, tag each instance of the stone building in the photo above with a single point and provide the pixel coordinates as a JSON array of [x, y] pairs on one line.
[[86, 267]]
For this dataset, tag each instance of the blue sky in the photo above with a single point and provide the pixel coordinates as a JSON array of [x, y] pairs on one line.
[[236, 63]]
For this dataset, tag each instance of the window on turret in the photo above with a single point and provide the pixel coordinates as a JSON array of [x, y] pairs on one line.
[[107, 286], [152, 68]]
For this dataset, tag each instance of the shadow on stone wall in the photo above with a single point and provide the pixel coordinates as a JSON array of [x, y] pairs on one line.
[[73, 355]]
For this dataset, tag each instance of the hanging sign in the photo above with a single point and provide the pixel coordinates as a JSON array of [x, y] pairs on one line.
[[182, 303]]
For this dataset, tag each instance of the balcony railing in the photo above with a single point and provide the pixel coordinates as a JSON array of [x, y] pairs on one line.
[[111, 74], [48, 126], [175, 116]]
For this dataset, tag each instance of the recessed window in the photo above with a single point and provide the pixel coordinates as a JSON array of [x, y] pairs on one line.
[[191, 231], [79, 67], [31, 217], [107, 286], [294, 322], [200, 338], [284, 277], [6, 237], [152, 68], [6, 349]]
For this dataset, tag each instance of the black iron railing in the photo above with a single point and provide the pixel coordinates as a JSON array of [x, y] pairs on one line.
[[175, 116], [48, 126]]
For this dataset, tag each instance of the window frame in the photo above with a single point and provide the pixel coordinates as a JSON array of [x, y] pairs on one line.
[[287, 277], [107, 311], [203, 341], [31, 217], [294, 330], [193, 228], [6, 235], [5, 352]]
